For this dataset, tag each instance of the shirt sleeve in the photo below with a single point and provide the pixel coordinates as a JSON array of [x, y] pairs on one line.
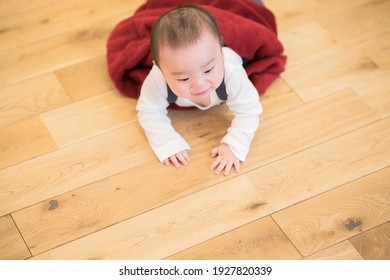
[[153, 117], [243, 101]]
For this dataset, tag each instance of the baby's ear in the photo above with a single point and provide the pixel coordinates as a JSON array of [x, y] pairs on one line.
[[153, 62]]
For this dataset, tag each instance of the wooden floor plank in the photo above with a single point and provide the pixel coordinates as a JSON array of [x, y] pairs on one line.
[[87, 118], [319, 159], [31, 97], [131, 185], [291, 14], [136, 185], [24, 140], [259, 240], [335, 71], [12, 246], [55, 17], [278, 99], [91, 79], [335, 216], [341, 251], [324, 167], [375, 243], [19, 6], [66, 169], [112, 200], [377, 49], [164, 231], [376, 93], [359, 23], [96, 158], [305, 41], [310, 125], [54, 53]]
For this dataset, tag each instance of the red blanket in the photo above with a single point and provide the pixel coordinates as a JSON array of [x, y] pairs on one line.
[[247, 27]]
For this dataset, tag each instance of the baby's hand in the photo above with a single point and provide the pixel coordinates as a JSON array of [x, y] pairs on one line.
[[224, 159], [178, 159]]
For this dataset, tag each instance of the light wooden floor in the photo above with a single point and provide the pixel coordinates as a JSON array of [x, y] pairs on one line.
[[78, 180]]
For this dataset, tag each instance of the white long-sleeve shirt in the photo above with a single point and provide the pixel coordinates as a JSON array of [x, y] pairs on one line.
[[243, 102]]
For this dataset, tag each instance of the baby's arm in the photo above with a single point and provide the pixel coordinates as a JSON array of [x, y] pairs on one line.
[[167, 144], [243, 102]]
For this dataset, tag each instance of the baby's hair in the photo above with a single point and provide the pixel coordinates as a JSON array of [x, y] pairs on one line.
[[181, 27]]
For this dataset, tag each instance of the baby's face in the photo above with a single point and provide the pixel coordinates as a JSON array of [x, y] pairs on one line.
[[195, 71]]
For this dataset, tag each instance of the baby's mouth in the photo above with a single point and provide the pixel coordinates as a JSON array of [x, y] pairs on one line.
[[200, 93]]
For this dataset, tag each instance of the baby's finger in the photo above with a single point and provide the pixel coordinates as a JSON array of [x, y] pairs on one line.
[[220, 167], [237, 166], [215, 163], [186, 156], [166, 162], [228, 167], [214, 152], [174, 161], [181, 158]]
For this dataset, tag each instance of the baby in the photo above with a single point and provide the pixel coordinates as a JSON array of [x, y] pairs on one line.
[[192, 68]]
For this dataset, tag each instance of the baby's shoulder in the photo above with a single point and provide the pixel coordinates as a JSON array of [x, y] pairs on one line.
[[155, 75], [234, 69], [154, 83], [230, 56]]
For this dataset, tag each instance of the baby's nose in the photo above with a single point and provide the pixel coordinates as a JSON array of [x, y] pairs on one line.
[[197, 83]]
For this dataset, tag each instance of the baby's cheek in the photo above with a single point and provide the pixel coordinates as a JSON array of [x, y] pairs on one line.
[[181, 91]]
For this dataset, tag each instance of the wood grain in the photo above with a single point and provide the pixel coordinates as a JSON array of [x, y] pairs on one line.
[[81, 120], [164, 231], [335, 71], [54, 53], [30, 98], [259, 240], [136, 185], [341, 251], [324, 167], [49, 19], [308, 126], [377, 49], [291, 14], [305, 41], [374, 244], [12, 246], [374, 20], [24, 140], [112, 200], [278, 99], [91, 79], [337, 215], [66, 169], [19, 6], [66, 223], [376, 93], [78, 179]]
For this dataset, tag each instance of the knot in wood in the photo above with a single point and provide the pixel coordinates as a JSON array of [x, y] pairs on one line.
[[53, 204], [352, 224]]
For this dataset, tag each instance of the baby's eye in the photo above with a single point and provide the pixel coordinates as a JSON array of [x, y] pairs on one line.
[[183, 80], [208, 71]]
